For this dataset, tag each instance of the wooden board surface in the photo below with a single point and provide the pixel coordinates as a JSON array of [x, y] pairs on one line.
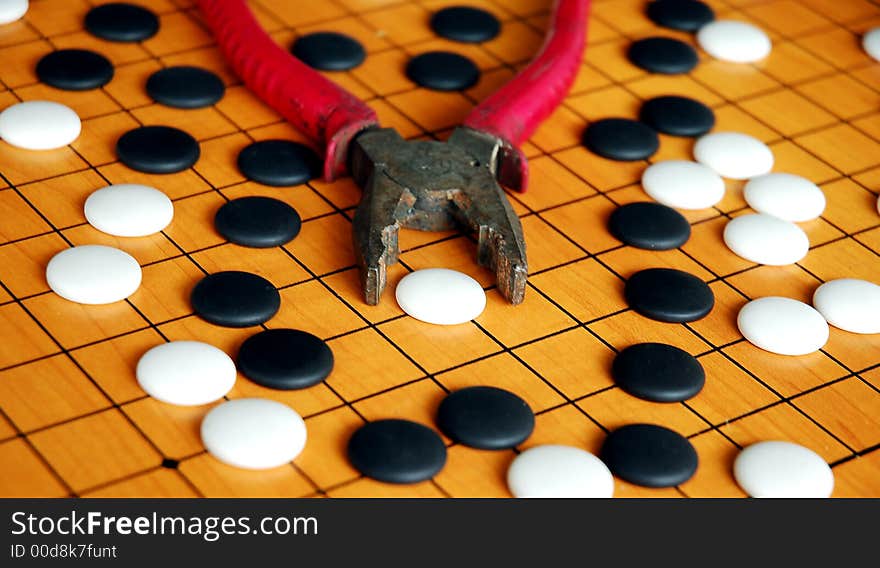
[[74, 421]]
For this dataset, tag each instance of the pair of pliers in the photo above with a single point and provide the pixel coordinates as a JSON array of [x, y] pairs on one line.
[[426, 185]]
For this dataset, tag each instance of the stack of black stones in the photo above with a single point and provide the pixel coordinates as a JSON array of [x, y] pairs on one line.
[[401, 451]]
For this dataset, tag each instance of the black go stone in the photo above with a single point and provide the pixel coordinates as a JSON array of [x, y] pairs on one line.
[[649, 455], [329, 51], [443, 71], [74, 69], [663, 55], [658, 372], [185, 87], [235, 299], [397, 451], [684, 15], [157, 149], [668, 295], [122, 22], [285, 359], [621, 139], [258, 222], [487, 418], [279, 163], [649, 225], [678, 116], [465, 24]]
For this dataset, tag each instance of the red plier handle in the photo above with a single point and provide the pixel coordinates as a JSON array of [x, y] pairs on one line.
[[331, 116]]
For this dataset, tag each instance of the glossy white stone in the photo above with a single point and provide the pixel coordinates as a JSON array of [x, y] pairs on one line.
[[730, 40], [786, 196], [683, 184], [253, 433], [554, 471], [440, 296], [871, 43], [186, 373], [849, 304], [39, 125], [129, 210], [93, 274], [776, 469], [782, 325], [734, 155], [12, 10], [766, 239]]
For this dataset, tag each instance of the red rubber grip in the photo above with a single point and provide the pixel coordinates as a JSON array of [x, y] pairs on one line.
[[328, 114], [514, 112]]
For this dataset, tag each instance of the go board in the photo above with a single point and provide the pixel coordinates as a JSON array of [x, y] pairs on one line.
[[74, 421]]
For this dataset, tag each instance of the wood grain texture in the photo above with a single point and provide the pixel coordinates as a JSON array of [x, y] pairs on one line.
[[73, 420]]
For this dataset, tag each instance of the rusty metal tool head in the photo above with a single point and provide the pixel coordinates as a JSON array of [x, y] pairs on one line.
[[434, 186], [425, 185]]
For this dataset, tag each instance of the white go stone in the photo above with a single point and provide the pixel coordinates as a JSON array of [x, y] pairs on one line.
[[776, 469], [783, 326], [786, 196], [440, 296], [738, 42], [12, 10], [766, 239], [93, 274], [734, 155], [849, 304], [683, 184], [253, 433], [554, 471], [186, 373], [39, 125], [871, 43], [129, 210]]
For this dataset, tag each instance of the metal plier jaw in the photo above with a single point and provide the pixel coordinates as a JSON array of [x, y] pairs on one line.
[[434, 186]]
